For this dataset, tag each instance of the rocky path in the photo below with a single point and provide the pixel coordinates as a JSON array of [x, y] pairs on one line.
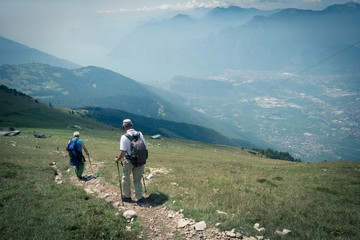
[[157, 221]]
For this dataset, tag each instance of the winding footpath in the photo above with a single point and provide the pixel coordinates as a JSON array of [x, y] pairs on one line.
[[157, 221]]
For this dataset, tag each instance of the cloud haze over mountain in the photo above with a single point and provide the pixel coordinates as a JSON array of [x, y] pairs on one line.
[[84, 31]]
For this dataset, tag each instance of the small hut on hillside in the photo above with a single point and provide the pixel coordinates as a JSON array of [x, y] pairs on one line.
[[157, 136]]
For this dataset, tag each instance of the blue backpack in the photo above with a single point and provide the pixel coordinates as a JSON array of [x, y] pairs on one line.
[[74, 154]]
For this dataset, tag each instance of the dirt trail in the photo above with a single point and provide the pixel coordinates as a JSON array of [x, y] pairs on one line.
[[157, 221]]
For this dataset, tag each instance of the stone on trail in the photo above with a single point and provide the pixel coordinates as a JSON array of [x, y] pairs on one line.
[[200, 226], [231, 233], [88, 191], [183, 223], [129, 214], [251, 238]]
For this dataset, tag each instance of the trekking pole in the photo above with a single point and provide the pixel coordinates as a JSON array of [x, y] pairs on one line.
[[144, 184], [122, 200], [92, 170]]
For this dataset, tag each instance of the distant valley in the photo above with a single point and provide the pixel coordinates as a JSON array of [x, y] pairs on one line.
[[314, 117]]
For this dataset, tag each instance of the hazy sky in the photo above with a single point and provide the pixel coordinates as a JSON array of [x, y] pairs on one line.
[[69, 28]]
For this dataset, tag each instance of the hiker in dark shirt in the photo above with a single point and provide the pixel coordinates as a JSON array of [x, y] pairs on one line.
[[80, 146]]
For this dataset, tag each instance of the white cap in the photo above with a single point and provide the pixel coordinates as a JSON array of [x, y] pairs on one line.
[[127, 123], [76, 134]]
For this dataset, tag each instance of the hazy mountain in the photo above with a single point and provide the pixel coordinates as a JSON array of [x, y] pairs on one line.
[[233, 16], [169, 40], [15, 53], [20, 110], [93, 86], [249, 39], [88, 86], [151, 126]]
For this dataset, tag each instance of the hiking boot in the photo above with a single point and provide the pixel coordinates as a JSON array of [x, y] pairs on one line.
[[141, 200], [126, 199]]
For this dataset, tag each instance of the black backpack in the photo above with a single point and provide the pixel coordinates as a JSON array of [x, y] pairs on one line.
[[74, 154], [139, 153]]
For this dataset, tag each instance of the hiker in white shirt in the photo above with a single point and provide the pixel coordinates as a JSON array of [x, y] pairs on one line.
[[128, 168]]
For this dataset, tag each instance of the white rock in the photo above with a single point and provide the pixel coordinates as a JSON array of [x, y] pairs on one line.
[[88, 191], [256, 226], [283, 232], [183, 223], [200, 226], [249, 238], [231, 233], [150, 176], [221, 212], [129, 214]]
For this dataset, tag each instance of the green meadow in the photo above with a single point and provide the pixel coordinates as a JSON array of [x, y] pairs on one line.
[[211, 183], [314, 201]]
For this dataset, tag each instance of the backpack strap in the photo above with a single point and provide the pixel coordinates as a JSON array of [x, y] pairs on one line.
[[76, 149], [132, 137]]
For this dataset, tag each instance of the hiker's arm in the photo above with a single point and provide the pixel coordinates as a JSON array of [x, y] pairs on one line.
[[83, 147], [122, 154], [66, 148]]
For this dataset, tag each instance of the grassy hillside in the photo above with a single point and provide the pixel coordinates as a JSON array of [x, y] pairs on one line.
[[314, 201], [20, 110], [33, 206]]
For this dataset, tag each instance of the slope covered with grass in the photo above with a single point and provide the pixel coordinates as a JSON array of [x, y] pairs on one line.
[[20, 110]]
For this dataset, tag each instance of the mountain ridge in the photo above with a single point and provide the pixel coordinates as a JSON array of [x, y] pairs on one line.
[[12, 52], [20, 110], [98, 87], [252, 43]]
